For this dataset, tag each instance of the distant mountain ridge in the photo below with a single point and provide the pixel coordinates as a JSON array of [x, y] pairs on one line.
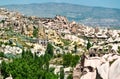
[[91, 16]]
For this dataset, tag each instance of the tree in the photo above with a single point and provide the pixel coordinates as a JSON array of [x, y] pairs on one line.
[[75, 60], [28, 67], [49, 50], [70, 60], [3, 21], [75, 48], [89, 44], [35, 32], [61, 73], [70, 76], [1, 54], [10, 42], [67, 59]]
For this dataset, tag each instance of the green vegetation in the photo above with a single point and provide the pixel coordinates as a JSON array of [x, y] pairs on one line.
[[111, 62], [66, 42], [10, 42], [49, 50], [70, 60], [1, 43], [61, 73], [119, 49], [89, 44], [2, 21], [70, 76], [35, 32], [75, 48], [29, 66], [1, 54], [17, 38]]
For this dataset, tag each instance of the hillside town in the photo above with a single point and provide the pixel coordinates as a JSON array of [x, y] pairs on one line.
[[98, 49]]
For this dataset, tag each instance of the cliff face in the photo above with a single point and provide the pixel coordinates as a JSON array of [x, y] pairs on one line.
[[105, 67]]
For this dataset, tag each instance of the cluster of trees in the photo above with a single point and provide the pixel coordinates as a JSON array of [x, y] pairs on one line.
[[29, 66], [70, 60]]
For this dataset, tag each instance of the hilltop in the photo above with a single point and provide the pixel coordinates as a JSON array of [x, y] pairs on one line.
[[90, 16]]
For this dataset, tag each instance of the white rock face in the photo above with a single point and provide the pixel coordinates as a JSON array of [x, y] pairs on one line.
[[108, 67], [89, 75], [114, 72], [103, 70], [93, 62], [108, 71]]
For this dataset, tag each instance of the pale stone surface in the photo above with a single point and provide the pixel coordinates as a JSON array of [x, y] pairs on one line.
[[93, 62], [8, 49], [103, 70], [89, 75], [107, 66], [114, 72]]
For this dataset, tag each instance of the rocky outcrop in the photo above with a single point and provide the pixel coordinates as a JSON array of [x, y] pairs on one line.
[[103, 70], [105, 67], [114, 70], [110, 68]]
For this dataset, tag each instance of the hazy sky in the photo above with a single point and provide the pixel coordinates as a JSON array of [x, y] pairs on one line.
[[101, 3]]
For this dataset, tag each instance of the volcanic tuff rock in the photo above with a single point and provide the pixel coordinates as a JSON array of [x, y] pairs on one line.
[[105, 67]]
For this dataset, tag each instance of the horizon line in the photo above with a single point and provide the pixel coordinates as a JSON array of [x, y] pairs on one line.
[[60, 3]]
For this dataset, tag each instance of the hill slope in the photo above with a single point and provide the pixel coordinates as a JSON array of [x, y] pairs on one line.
[[91, 16]]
